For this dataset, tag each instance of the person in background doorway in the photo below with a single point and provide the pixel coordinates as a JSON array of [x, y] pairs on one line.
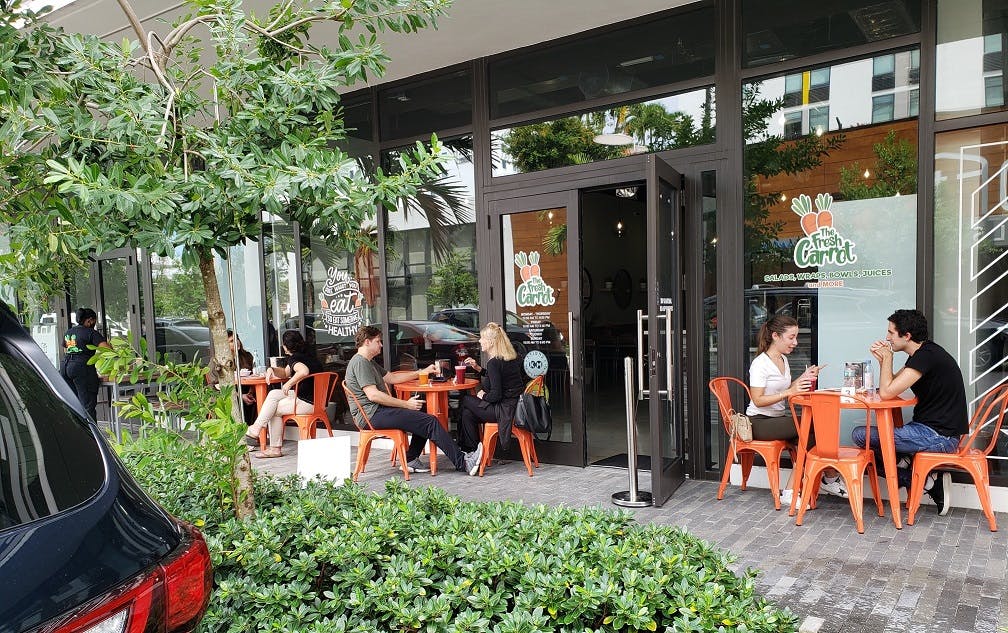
[[368, 381], [934, 377], [77, 343], [245, 361], [279, 402], [503, 382], [770, 386]]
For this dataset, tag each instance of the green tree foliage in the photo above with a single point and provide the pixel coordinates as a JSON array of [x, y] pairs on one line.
[[179, 293], [768, 155], [895, 171], [453, 284], [183, 140], [567, 141]]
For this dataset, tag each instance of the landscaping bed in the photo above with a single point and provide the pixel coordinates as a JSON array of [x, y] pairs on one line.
[[323, 556]]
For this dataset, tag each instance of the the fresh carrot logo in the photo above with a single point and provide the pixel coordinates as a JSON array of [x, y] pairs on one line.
[[532, 291], [822, 243]]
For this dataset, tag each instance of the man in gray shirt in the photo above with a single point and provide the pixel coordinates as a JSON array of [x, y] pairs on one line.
[[369, 383]]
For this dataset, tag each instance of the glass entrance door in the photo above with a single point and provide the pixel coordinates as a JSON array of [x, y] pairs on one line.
[[118, 294], [540, 306], [661, 340]]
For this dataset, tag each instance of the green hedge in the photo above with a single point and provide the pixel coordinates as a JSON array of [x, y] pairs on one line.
[[327, 557]]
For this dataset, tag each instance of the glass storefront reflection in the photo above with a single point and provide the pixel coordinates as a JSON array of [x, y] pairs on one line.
[[657, 125], [180, 314], [825, 205], [430, 255], [970, 64]]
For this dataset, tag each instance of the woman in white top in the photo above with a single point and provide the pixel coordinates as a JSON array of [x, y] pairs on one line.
[[770, 386]]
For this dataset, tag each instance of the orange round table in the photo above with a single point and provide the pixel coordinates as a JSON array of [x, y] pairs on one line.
[[258, 382], [437, 401], [888, 416]]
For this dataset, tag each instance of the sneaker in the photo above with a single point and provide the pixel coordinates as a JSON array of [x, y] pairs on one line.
[[417, 466], [834, 487], [939, 492], [785, 499], [473, 459]]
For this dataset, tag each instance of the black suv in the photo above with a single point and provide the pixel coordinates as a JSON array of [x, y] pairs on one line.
[[82, 547]]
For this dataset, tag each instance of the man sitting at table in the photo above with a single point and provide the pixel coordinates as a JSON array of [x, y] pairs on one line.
[[939, 417], [369, 383]]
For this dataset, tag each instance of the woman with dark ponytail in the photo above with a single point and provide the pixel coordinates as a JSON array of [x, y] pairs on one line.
[[770, 386], [77, 344], [297, 364]]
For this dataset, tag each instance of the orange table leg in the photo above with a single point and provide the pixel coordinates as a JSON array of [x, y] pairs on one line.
[[884, 423], [437, 405], [798, 474]]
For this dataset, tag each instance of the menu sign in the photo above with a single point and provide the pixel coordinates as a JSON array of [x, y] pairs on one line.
[[342, 303]]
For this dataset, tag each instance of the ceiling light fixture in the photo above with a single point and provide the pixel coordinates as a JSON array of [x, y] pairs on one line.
[[626, 192], [614, 138]]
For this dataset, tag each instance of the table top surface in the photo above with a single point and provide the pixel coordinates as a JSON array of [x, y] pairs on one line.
[[430, 387], [872, 399], [252, 379]]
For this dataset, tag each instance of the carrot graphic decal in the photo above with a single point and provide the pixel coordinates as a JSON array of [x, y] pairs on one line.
[[825, 216], [522, 262], [802, 205], [533, 290]]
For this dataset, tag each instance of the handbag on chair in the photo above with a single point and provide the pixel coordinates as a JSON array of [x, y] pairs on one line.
[[741, 427], [533, 411]]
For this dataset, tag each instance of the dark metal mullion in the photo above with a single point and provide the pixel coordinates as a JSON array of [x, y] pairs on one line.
[[408, 141], [482, 168], [926, 156]]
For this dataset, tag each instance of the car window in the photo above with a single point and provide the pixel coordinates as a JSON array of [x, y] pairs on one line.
[[49, 461], [442, 332]]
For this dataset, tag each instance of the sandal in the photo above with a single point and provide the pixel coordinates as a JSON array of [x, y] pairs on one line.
[[268, 453], [251, 441]]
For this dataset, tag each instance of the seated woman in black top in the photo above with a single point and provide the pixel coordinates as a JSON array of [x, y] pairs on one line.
[[282, 401], [503, 382]]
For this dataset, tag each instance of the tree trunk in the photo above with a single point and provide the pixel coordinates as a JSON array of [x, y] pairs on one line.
[[224, 357]]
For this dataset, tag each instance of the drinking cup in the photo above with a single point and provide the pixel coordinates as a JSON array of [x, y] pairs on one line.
[[424, 378], [460, 374]]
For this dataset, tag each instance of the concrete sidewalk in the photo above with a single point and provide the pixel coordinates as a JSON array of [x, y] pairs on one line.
[[944, 574]]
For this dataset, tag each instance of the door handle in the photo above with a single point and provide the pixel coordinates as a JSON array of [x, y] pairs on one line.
[[641, 391], [570, 347], [668, 351]]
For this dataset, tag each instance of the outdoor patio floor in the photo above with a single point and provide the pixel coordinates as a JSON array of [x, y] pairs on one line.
[[944, 574]]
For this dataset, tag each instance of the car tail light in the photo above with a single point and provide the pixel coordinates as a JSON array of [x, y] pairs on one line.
[[170, 598]]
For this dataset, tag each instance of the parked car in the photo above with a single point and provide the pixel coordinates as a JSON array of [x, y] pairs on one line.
[[182, 340], [82, 547], [418, 343], [467, 319]]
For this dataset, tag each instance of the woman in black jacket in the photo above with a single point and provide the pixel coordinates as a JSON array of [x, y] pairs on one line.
[[77, 343], [503, 381]]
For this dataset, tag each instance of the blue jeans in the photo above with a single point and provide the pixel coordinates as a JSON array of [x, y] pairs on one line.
[[912, 437]]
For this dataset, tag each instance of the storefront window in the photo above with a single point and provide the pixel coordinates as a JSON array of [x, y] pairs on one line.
[[282, 303], [239, 279], [971, 52], [824, 210], [971, 247], [778, 30], [646, 55], [430, 254], [536, 303], [180, 315], [340, 292], [671, 122]]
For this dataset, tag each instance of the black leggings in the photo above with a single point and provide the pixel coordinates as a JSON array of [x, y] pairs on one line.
[[471, 423], [85, 382]]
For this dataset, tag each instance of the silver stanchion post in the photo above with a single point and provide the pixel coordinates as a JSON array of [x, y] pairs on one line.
[[631, 498]]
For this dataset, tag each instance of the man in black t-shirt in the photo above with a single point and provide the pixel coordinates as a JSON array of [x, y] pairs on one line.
[[939, 417]]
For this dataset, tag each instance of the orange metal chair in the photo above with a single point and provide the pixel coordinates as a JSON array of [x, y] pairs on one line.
[[850, 461], [971, 456], [769, 450], [325, 384], [368, 435], [526, 443]]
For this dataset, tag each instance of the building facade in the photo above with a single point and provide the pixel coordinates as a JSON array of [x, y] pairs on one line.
[[654, 189]]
